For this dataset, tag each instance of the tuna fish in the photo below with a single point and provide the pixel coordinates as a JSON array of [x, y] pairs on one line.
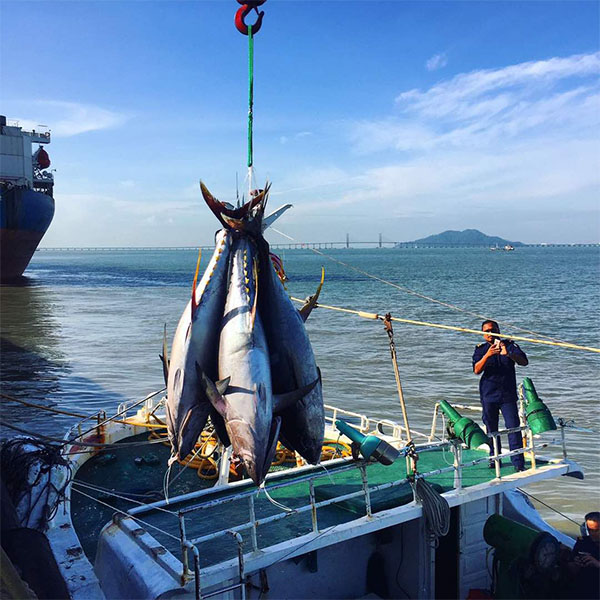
[[195, 343], [247, 403], [293, 367]]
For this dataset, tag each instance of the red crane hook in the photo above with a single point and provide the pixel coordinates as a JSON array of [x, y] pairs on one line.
[[242, 13]]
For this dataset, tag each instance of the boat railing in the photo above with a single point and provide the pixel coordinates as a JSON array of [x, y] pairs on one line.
[[366, 424], [436, 410], [249, 496]]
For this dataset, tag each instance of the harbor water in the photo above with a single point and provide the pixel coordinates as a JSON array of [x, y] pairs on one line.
[[84, 331]]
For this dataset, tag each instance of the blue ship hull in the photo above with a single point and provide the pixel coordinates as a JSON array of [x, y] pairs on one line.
[[25, 215]]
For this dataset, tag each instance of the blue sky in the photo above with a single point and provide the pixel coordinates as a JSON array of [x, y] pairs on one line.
[[399, 118]]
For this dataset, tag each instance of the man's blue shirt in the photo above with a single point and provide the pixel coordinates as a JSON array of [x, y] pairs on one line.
[[498, 382]]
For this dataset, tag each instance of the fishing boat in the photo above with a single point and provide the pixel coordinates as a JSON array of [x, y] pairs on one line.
[[26, 196], [387, 511], [428, 521]]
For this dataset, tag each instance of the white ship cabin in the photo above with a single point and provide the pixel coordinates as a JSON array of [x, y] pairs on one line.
[[20, 164]]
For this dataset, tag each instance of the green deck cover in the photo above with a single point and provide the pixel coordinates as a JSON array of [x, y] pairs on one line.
[[123, 475]]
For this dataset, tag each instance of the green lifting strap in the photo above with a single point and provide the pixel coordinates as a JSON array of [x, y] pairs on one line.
[[250, 91]]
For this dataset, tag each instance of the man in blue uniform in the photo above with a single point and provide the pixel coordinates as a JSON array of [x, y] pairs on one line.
[[495, 361]]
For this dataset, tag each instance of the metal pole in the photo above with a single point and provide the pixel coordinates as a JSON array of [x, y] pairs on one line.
[[457, 452], [253, 536], [496, 452], [313, 512]]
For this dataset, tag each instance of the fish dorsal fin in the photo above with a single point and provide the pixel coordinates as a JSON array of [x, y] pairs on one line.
[[222, 385], [283, 401], [254, 303], [195, 304], [164, 357], [212, 391], [311, 302]]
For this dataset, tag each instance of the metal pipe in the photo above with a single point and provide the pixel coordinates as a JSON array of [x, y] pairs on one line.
[[457, 451], [365, 486], [253, 536], [240, 541], [311, 490], [436, 409], [184, 548], [190, 546], [563, 438], [495, 438], [531, 445]]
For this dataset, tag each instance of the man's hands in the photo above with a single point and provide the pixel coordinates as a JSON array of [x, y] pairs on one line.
[[583, 559], [495, 349]]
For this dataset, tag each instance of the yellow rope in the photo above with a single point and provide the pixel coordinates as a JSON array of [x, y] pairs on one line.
[[419, 295], [372, 316]]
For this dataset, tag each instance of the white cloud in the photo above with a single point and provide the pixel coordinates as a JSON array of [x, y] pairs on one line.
[[490, 90], [437, 61], [72, 118], [554, 100]]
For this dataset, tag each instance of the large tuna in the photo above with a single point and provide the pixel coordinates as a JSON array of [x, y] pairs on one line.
[[195, 344], [293, 367], [247, 403]]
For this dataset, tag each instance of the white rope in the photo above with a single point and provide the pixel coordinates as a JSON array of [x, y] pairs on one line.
[[273, 501], [419, 295], [127, 514], [97, 488]]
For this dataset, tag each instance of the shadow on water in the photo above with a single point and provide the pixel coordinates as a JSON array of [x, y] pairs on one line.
[[33, 364]]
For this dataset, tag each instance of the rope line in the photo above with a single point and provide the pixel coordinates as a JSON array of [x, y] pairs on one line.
[[97, 488], [429, 298], [418, 294], [548, 506], [41, 436], [48, 408], [373, 316], [125, 514]]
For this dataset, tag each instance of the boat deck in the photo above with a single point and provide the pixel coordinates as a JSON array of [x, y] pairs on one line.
[[207, 517]]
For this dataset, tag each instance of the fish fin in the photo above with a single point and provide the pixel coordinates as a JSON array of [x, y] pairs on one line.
[[272, 445], [283, 401], [311, 302], [222, 385], [164, 357], [212, 393], [194, 304], [269, 220], [255, 303], [193, 422], [219, 425]]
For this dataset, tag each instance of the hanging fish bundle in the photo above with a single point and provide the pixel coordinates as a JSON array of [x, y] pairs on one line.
[[241, 354]]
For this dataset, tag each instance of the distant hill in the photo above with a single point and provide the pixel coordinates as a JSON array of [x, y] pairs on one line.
[[468, 237]]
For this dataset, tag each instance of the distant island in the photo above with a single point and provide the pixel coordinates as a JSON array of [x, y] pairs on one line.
[[467, 237]]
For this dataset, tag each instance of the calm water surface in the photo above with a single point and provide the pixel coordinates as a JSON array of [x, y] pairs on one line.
[[84, 332]]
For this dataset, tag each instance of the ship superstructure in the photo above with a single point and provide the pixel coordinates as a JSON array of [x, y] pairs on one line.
[[26, 196]]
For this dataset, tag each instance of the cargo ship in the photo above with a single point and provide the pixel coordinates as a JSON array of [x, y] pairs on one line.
[[26, 196]]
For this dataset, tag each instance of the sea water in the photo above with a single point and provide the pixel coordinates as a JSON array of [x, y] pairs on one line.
[[84, 331]]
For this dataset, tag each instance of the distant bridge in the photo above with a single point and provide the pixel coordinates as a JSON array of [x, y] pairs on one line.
[[380, 243]]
